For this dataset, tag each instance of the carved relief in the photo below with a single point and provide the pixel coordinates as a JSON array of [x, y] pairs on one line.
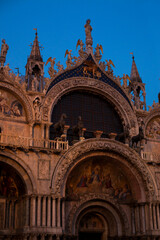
[[10, 106], [158, 179], [153, 128], [43, 169]]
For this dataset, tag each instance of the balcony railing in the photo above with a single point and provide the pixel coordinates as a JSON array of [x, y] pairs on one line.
[[27, 142], [150, 156]]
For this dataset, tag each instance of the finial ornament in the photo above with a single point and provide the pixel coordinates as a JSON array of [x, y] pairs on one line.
[[4, 49], [88, 30]]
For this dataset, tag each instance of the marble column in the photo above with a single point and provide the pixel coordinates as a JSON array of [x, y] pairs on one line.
[[59, 212], [33, 211], [39, 211], [44, 211], [49, 212], [53, 212], [158, 216]]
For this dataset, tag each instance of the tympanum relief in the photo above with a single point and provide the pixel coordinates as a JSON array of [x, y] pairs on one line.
[[10, 107]]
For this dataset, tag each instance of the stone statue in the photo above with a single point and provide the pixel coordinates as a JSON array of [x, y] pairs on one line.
[[109, 63], [125, 77], [35, 84], [88, 29], [4, 48], [7, 69], [59, 126], [82, 52], [69, 62], [60, 67], [98, 48], [37, 108], [89, 41], [51, 70]]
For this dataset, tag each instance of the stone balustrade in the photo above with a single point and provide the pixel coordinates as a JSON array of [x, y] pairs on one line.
[[27, 142]]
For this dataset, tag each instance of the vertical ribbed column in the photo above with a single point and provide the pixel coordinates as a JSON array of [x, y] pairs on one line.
[[137, 220], [27, 211], [63, 214], [158, 217], [44, 211], [150, 217], [53, 212], [154, 217], [147, 217], [49, 212], [39, 211], [59, 212], [142, 219], [33, 211], [133, 220]]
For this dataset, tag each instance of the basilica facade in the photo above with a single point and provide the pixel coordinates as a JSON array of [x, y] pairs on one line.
[[79, 151]]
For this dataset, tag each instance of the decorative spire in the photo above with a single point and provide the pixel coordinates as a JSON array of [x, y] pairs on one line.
[[134, 72], [35, 52], [89, 41]]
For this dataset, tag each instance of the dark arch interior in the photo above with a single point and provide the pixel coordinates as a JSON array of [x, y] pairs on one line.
[[96, 112], [11, 184]]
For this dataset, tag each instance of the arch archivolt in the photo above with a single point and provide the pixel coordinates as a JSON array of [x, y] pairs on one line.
[[19, 93], [101, 204], [22, 168], [120, 104], [82, 150]]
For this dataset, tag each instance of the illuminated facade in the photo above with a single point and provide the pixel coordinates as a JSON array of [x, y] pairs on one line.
[[79, 152]]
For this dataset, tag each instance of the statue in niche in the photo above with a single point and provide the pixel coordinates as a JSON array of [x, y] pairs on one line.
[[78, 129], [69, 62], [4, 48], [37, 108], [59, 126], [88, 29], [35, 84], [52, 72]]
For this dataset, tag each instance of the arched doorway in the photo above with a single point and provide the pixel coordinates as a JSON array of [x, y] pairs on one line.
[[92, 226]]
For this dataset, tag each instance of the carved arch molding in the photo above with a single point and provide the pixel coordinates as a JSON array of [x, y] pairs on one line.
[[122, 107], [22, 169], [98, 200], [69, 160], [21, 96]]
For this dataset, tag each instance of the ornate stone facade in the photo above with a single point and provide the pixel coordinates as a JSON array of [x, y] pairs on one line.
[[60, 179]]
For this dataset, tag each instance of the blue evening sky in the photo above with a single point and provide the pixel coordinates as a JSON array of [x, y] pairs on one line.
[[121, 26]]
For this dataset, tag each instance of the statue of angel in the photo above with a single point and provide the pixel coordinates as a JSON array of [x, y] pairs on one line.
[[51, 70], [60, 67], [109, 63], [81, 44], [98, 48], [69, 58], [125, 77]]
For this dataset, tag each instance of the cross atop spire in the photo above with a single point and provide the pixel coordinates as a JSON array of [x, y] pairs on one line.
[[134, 72], [35, 52]]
